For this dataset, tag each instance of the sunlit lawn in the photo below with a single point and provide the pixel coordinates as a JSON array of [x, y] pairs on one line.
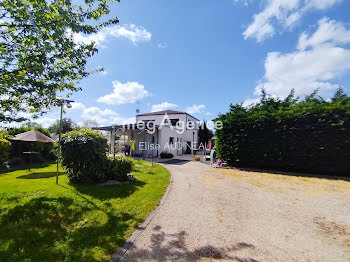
[[42, 221]]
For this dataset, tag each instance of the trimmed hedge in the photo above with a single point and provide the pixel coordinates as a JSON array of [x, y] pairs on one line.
[[311, 136]]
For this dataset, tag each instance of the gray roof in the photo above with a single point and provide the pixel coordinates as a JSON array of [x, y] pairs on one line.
[[169, 112]]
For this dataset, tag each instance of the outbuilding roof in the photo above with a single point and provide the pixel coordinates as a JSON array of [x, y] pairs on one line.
[[33, 136]]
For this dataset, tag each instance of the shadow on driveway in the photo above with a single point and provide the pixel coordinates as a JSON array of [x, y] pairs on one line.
[[175, 162], [172, 247]]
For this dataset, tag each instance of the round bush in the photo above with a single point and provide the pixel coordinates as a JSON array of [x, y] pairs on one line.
[[83, 155], [5, 150], [120, 167]]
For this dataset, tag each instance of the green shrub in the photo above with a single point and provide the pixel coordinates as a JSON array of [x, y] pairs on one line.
[[120, 167], [4, 134], [83, 155], [312, 135], [166, 155], [5, 149]]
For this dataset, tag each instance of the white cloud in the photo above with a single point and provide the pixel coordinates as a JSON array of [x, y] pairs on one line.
[[118, 120], [283, 13], [164, 106], [250, 102], [102, 117], [162, 45], [308, 69], [45, 121], [78, 106], [321, 4], [244, 2], [136, 34], [329, 31], [104, 72], [195, 109], [124, 93], [92, 112]]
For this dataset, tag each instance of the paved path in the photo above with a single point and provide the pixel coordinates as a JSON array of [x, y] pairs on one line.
[[209, 216]]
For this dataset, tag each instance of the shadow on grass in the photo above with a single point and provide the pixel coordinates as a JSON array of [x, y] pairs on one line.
[[109, 192], [24, 167], [38, 175], [172, 247], [59, 229]]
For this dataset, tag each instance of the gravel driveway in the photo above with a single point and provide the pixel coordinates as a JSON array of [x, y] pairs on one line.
[[216, 215]]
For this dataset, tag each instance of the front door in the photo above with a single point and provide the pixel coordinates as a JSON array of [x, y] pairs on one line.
[[188, 147]]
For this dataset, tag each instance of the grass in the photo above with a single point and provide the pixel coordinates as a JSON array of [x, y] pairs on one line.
[[42, 221]]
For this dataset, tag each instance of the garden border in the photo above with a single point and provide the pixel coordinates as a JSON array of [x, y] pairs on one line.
[[130, 241]]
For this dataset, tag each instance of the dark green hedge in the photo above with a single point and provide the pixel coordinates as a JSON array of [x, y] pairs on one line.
[[311, 136]]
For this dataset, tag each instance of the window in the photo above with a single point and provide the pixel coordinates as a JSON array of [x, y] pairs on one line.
[[171, 140], [174, 121], [190, 124]]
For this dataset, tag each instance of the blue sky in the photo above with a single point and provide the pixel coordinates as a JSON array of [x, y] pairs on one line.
[[200, 56]]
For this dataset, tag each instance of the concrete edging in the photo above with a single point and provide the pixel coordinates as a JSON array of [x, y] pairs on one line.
[[130, 241]]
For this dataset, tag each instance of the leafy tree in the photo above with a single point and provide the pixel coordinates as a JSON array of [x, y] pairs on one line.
[[340, 96], [31, 124], [18, 130], [39, 58], [90, 123], [67, 125], [204, 134]]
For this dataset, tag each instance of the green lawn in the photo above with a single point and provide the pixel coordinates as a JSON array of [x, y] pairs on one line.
[[42, 221]]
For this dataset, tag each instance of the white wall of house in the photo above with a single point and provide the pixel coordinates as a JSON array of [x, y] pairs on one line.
[[168, 136]]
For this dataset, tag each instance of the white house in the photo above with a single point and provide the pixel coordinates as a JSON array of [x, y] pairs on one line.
[[169, 131]]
